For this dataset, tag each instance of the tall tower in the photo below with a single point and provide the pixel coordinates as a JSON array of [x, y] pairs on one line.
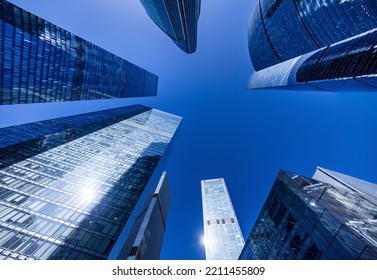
[[222, 234], [315, 45], [148, 242], [77, 187], [176, 18], [305, 218], [41, 62]]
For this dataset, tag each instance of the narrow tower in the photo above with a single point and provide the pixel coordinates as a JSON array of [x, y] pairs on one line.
[[222, 234]]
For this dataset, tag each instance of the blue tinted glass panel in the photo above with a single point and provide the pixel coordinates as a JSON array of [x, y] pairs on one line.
[[261, 53], [41, 62], [331, 21], [288, 37]]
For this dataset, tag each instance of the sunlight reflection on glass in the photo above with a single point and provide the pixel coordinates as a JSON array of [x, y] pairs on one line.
[[203, 240], [87, 195]]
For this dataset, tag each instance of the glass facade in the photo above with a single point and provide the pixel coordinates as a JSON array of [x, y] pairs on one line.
[[348, 65], [330, 21], [260, 45], [289, 39], [304, 218], [223, 238], [148, 242], [73, 187], [176, 18], [364, 188], [342, 33], [356, 57], [41, 62]]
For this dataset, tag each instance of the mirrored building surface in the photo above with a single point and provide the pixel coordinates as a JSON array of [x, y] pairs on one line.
[[74, 187], [41, 62], [363, 188], [304, 218], [148, 242], [178, 19], [314, 45], [223, 238]]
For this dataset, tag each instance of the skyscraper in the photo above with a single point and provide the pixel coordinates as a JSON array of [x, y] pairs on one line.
[[148, 242], [41, 62], [304, 218], [363, 188], [76, 187], [223, 238], [317, 45], [176, 18]]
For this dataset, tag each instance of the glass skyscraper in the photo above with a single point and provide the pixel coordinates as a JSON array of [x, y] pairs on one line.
[[364, 188], [176, 18], [41, 62], [317, 45], [223, 238], [75, 187], [330, 217], [148, 242]]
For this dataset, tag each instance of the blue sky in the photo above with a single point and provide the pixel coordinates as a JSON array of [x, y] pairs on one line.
[[227, 131]]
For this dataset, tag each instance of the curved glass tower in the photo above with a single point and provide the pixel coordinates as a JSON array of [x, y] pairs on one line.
[[176, 18], [288, 34]]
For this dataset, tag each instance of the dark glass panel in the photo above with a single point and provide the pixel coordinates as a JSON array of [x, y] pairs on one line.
[[285, 29], [260, 49], [313, 253]]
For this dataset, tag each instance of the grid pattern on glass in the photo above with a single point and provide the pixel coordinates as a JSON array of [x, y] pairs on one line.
[[284, 29], [330, 21], [41, 62], [259, 44], [288, 38], [351, 58], [347, 65], [307, 219], [72, 200], [366, 189], [223, 239]]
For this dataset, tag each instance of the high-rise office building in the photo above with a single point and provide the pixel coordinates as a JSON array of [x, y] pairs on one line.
[[41, 62], [364, 188], [148, 242], [223, 238], [304, 218], [176, 18], [325, 45], [75, 187]]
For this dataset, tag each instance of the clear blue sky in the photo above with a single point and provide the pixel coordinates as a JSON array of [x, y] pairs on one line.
[[227, 131]]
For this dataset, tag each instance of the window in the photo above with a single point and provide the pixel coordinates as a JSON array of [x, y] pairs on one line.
[[290, 223], [313, 253], [134, 250], [296, 245]]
